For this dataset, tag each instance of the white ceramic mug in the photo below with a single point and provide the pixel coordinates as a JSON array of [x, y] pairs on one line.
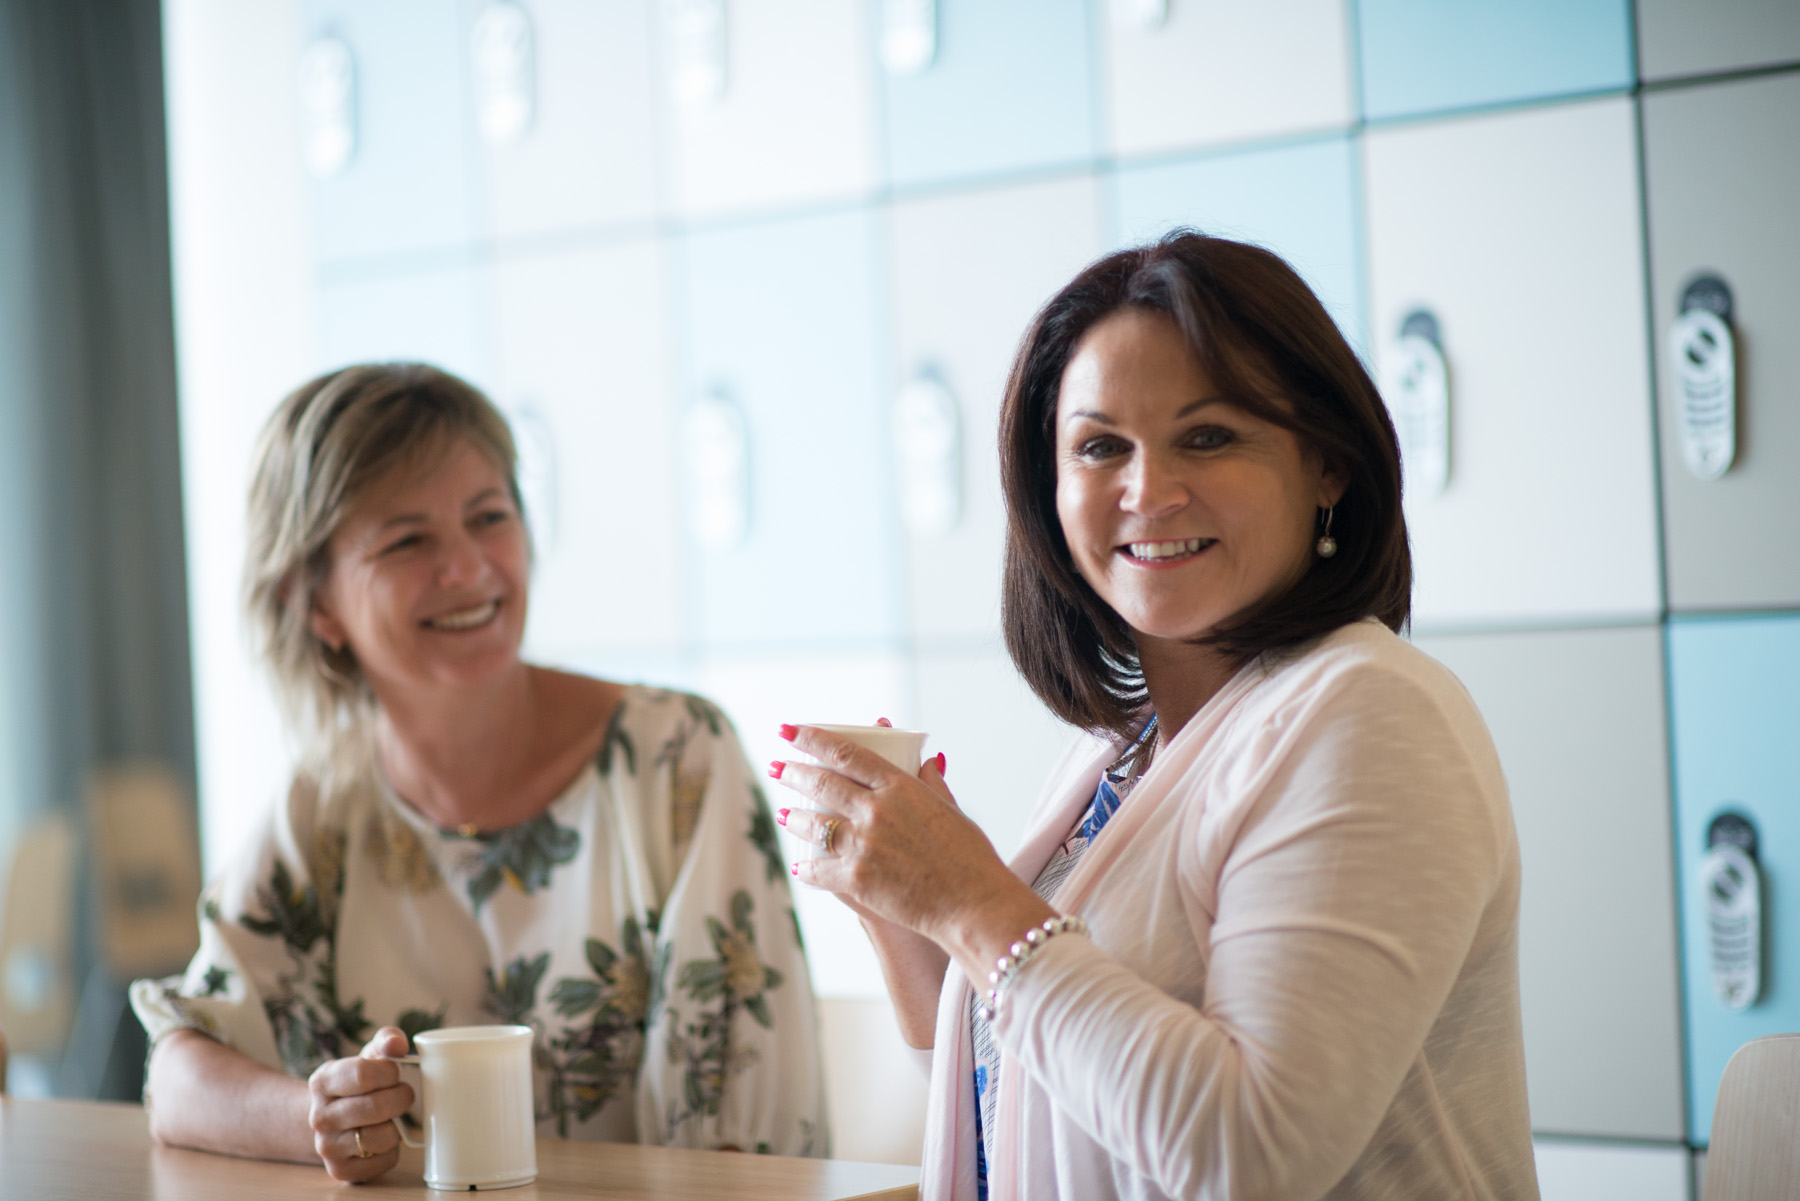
[[905, 749], [480, 1128]]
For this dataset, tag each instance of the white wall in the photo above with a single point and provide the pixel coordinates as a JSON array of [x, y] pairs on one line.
[[243, 317]]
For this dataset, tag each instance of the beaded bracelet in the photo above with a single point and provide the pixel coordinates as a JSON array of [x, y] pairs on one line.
[[1019, 954]]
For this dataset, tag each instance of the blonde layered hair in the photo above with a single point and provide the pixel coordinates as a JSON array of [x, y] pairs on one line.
[[327, 444]]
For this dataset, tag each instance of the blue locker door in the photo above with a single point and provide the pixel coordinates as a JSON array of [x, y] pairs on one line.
[[1520, 232], [1679, 37], [585, 376], [1578, 719], [431, 314], [588, 157], [792, 119], [410, 184], [970, 270], [1735, 692], [782, 326], [1421, 56], [1011, 88], [1724, 182], [1297, 200], [1222, 71]]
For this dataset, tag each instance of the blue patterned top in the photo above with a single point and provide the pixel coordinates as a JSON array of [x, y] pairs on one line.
[[1116, 783]]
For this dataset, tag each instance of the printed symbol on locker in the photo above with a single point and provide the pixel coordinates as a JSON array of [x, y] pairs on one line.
[[504, 69], [1704, 354], [1732, 881], [718, 453], [328, 106], [1417, 390], [908, 35], [928, 440], [697, 47]]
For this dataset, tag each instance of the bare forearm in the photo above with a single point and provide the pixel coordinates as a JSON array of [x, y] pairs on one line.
[[207, 1096], [913, 967]]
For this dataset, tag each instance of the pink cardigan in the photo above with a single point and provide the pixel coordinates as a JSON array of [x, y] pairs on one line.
[[1303, 975]]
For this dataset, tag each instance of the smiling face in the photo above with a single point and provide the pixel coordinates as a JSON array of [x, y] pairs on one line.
[[1180, 510], [427, 578]]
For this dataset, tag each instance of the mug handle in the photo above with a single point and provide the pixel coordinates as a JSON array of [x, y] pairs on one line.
[[400, 1129]]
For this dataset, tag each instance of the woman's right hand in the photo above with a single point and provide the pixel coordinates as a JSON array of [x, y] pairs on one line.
[[360, 1096]]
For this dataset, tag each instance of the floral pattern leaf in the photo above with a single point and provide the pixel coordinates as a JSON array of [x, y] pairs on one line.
[[573, 997], [601, 957], [592, 1060], [736, 978], [293, 911], [216, 981], [618, 739], [300, 1042], [758, 1008], [415, 1022], [631, 939], [705, 712], [483, 885], [659, 981], [513, 994], [524, 856], [763, 835], [741, 906]]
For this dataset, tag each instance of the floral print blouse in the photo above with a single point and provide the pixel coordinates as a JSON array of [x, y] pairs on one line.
[[642, 926]]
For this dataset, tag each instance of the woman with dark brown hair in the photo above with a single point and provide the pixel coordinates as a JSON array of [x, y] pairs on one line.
[[1261, 940]]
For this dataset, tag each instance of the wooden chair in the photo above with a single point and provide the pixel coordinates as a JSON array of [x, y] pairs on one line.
[[37, 919], [146, 882], [1755, 1151], [146, 869]]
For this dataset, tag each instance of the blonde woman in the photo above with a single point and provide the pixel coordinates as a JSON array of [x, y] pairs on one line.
[[470, 838]]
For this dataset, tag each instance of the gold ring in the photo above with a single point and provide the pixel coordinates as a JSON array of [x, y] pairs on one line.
[[827, 833], [362, 1152]]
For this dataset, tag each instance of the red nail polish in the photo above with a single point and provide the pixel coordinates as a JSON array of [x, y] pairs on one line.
[[788, 732], [794, 869], [775, 770], [942, 762], [781, 817]]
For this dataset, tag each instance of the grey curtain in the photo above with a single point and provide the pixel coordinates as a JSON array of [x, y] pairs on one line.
[[94, 660]]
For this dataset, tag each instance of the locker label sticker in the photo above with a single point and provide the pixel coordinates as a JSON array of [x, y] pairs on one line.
[[1703, 357]]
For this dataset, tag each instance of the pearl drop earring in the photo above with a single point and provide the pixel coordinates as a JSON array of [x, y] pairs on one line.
[[1326, 545]]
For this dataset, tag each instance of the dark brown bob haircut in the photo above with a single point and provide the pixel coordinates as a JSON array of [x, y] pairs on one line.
[[1270, 349]]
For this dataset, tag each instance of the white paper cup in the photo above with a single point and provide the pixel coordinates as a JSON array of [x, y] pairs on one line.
[[905, 749], [480, 1128]]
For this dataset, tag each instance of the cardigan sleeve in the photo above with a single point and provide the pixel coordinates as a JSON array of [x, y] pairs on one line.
[[1347, 903]]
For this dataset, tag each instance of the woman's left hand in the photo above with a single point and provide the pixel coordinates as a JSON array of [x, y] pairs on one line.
[[901, 848]]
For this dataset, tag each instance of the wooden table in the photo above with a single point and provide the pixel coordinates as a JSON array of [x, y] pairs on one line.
[[98, 1151]]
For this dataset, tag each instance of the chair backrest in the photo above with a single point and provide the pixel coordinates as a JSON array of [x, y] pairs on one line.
[[146, 869], [37, 911], [1755, 1151]]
